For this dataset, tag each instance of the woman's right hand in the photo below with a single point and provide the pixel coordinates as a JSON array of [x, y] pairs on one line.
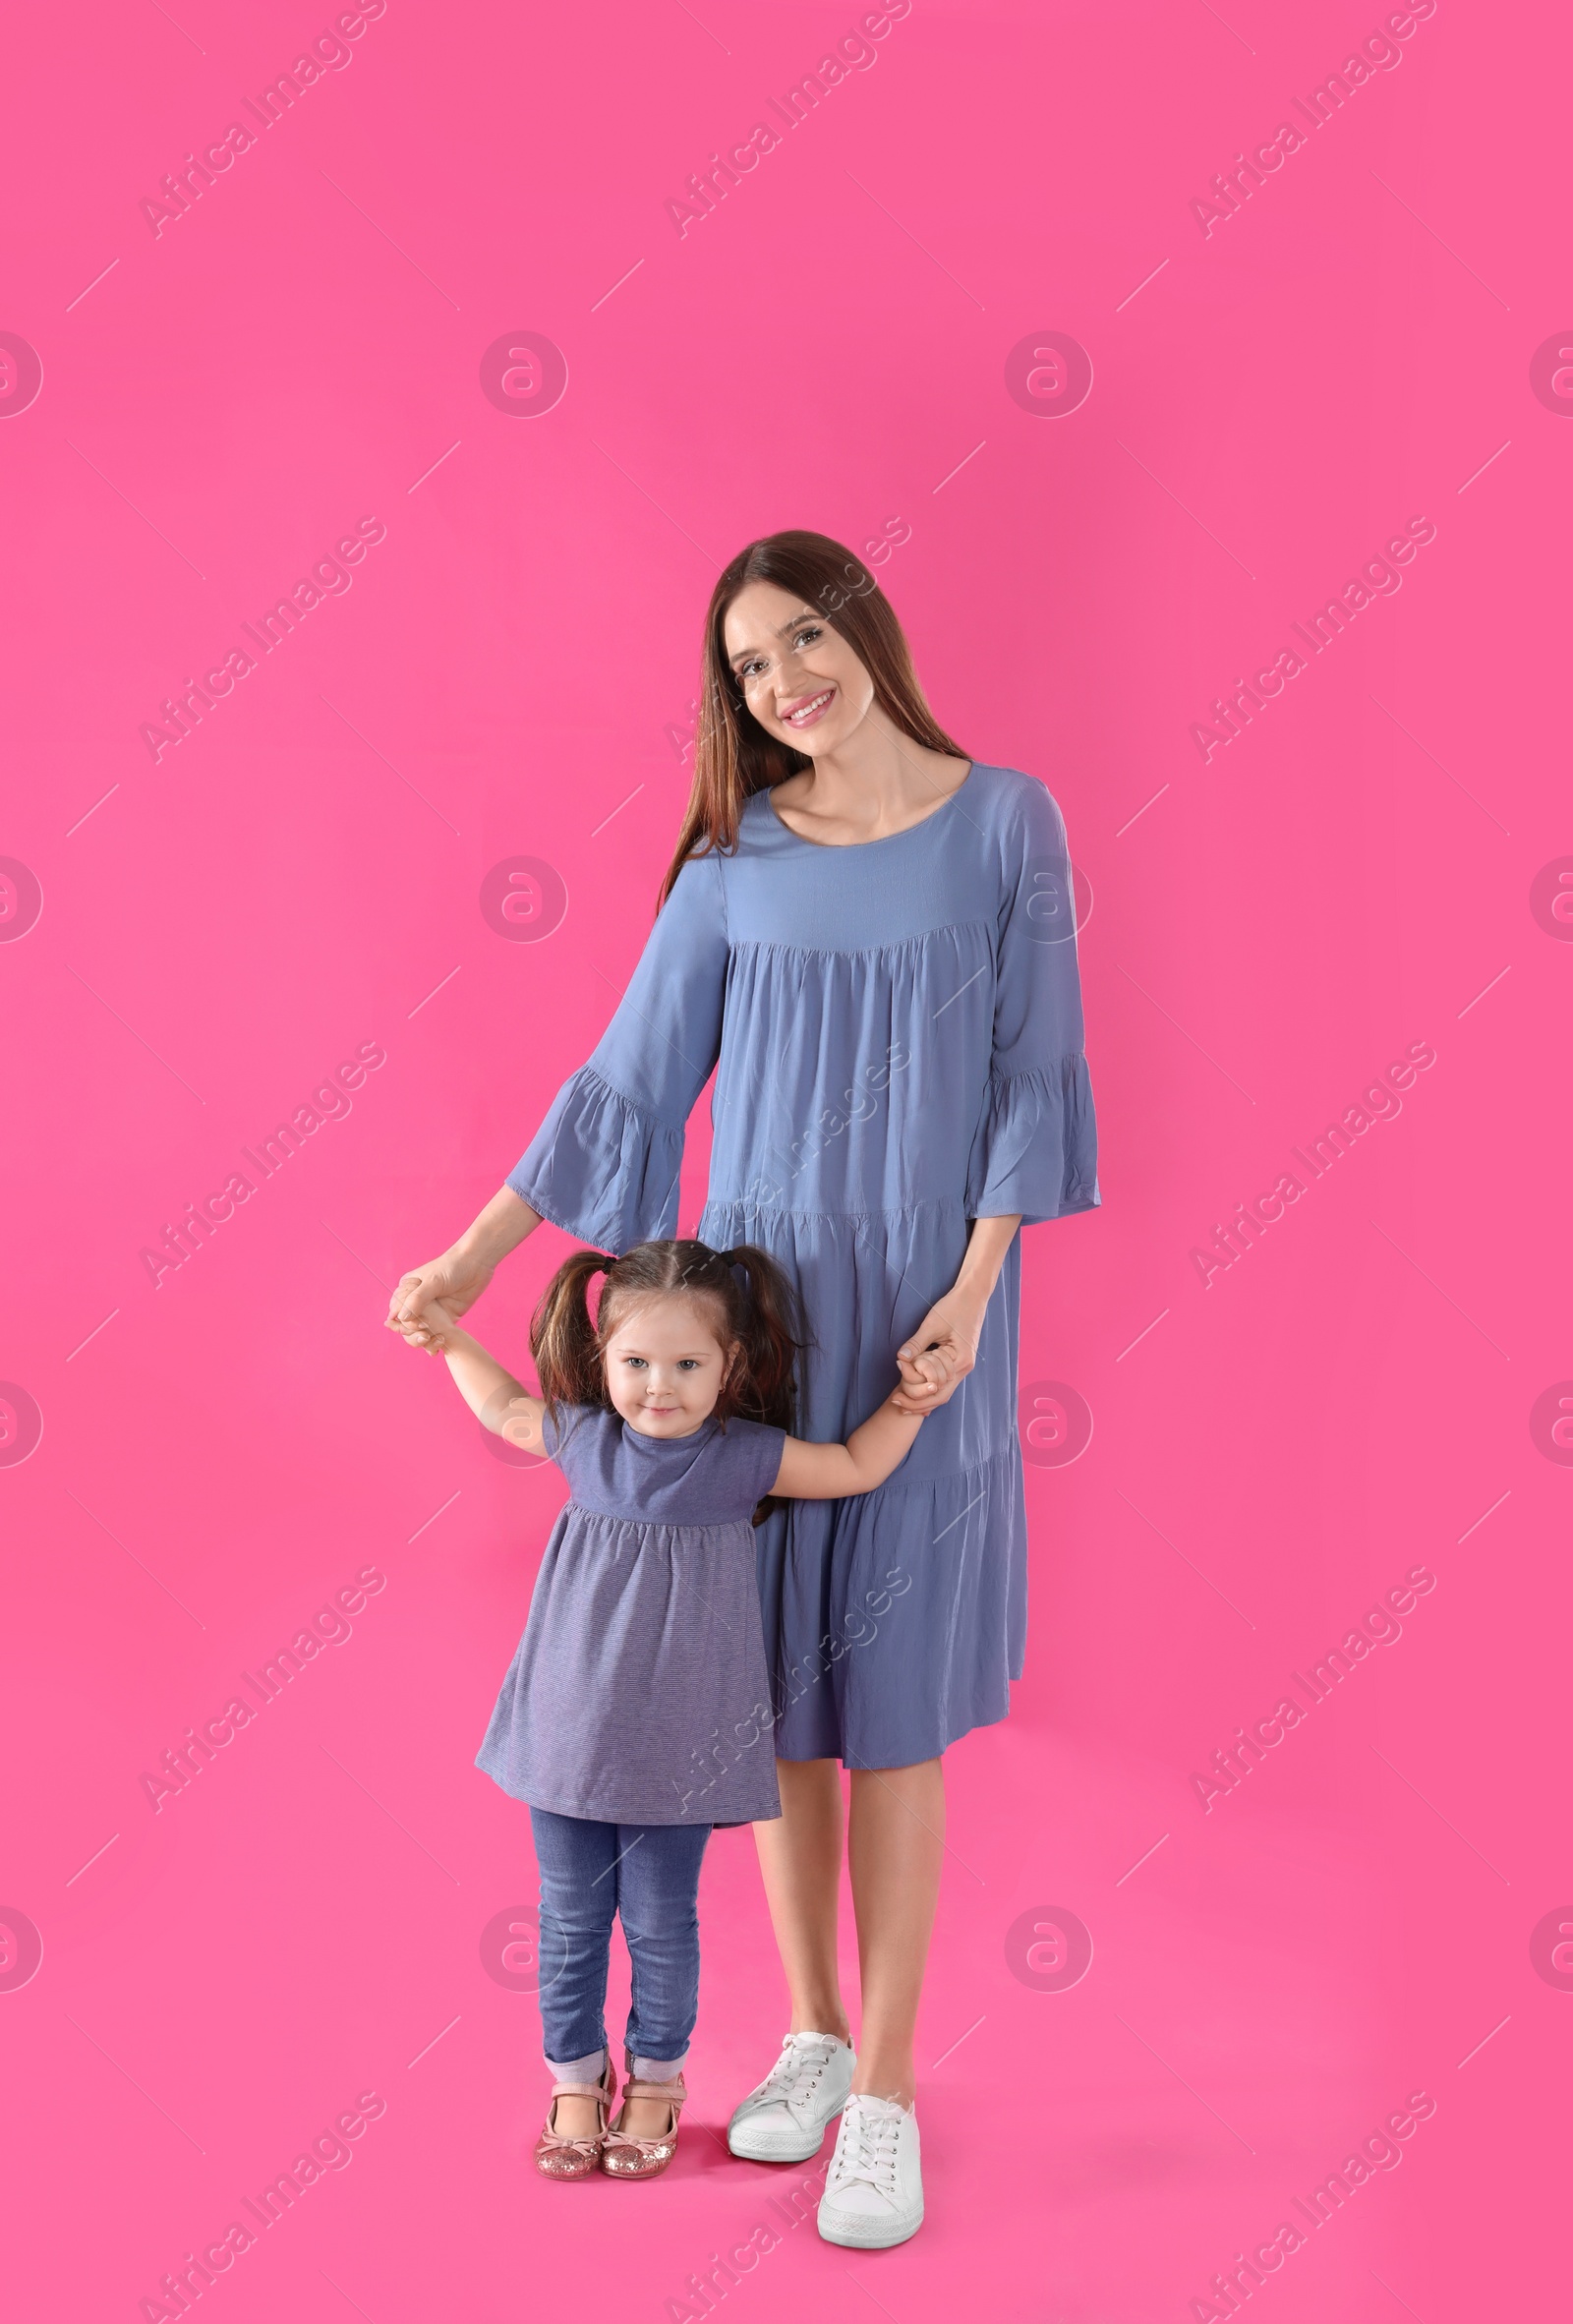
[[461, 1275], [457, 1280]]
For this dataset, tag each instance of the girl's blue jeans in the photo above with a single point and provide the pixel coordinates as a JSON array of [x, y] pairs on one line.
[[649, 1873]]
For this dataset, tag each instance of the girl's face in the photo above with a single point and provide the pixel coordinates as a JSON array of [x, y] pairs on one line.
[[663, 1365], [799, 677]]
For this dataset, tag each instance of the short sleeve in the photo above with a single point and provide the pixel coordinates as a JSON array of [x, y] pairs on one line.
[[604, 1163], [568, 1434], [1035, 1150], [747, 1462]]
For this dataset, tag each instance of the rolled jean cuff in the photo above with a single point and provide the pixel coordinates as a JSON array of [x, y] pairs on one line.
[[656, 2069], [579, 2069]]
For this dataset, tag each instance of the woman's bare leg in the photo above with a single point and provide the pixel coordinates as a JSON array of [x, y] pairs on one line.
[[895, 1846], [895, 1850], [800, 1859]]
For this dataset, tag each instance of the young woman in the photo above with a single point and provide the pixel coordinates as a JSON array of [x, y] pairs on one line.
[[874, 938]]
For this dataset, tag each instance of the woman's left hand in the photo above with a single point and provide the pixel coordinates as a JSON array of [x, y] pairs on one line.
[[940, 1354]]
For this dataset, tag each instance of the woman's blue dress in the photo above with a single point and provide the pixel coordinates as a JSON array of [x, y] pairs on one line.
[[898, 1028]]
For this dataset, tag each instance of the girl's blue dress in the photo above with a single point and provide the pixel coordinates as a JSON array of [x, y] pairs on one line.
[[639, 1693], [898, 1030]]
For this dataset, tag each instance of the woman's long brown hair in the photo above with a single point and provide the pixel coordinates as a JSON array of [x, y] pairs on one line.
[[733, 756], [752, 1301]]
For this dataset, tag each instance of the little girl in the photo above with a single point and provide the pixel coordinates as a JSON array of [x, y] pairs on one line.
[[636, 1715]]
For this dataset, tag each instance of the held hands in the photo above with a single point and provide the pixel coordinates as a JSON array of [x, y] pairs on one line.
[[463, 1271], [431, 1297], [939, 1355]]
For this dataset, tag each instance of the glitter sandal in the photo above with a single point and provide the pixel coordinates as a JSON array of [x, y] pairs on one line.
[[559, 2157], [623, 2156]]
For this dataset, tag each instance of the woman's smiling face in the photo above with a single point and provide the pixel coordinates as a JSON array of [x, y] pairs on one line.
[[800, 678]]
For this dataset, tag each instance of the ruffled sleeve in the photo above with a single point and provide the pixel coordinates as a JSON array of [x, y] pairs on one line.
[[1035, 1150], [603, 1164]]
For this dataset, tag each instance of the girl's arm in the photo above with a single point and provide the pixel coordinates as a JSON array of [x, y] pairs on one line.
[[497, 1400], [835, 1471]]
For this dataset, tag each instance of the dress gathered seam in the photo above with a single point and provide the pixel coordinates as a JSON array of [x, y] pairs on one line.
[[661, 1524], [1054, 1065], [853, 952], [892, 1211]]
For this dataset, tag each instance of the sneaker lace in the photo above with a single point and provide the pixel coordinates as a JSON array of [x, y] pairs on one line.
[[868, 2150], [796, 2072]]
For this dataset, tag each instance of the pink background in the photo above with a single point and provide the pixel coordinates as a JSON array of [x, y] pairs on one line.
[[508, 676]]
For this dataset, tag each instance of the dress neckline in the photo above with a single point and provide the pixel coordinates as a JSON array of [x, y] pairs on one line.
[[655, 1444], [848, 846]]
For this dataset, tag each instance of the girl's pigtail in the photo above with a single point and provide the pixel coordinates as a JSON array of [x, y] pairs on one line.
[[770, 1328], [563, 1337]]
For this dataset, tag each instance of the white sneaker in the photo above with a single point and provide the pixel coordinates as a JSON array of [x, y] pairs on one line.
[[783, 2120], [874, 2194]]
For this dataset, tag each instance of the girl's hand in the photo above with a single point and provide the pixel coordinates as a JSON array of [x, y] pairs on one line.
[[931, 1373], [433, 1296]]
